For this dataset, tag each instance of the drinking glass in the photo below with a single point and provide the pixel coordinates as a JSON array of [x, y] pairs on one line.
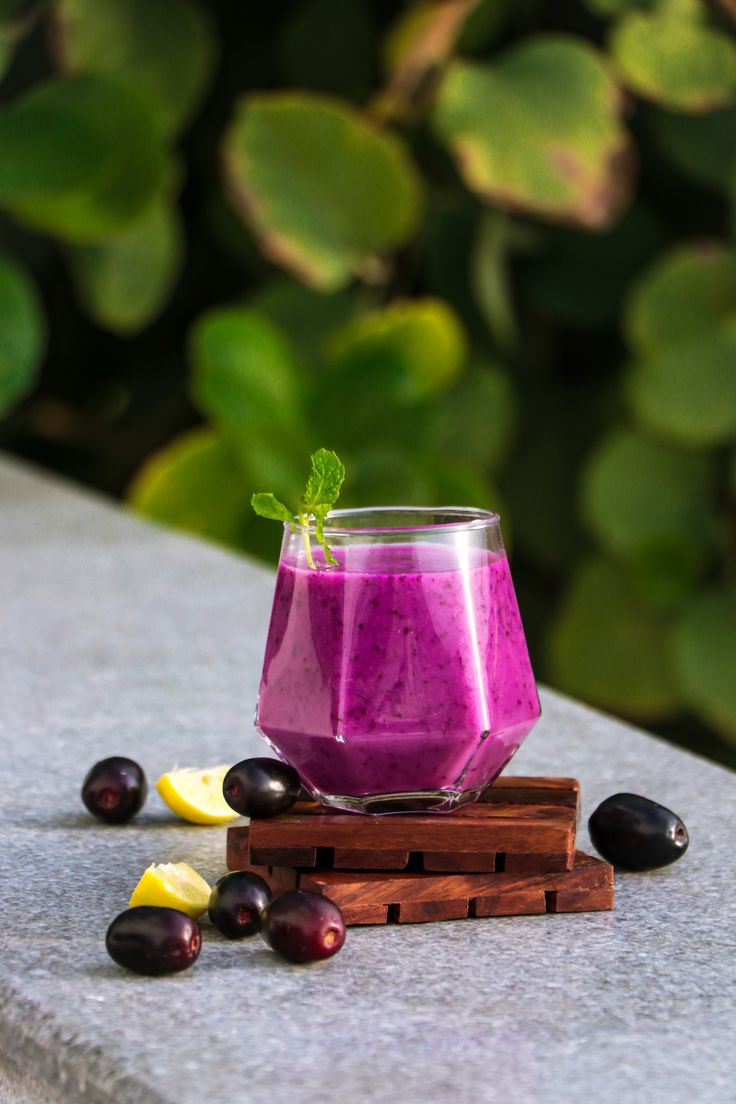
[[397, 679]]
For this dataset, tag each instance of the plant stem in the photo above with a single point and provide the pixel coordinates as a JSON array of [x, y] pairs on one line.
[[304, 521]]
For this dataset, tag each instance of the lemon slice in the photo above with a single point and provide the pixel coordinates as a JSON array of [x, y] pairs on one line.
[[172, 885], [196, 795]]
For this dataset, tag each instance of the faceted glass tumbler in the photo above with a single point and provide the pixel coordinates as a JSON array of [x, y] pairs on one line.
[[397, 679]]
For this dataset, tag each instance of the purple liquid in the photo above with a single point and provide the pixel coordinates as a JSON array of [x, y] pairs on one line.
[[398, 671]]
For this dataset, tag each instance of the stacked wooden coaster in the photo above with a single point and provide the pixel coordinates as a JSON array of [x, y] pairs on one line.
[[510, 853]]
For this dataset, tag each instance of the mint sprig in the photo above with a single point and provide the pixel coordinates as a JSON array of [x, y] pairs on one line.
[[320, 495]]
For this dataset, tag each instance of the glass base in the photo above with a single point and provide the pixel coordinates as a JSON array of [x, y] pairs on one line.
[[426, 801]]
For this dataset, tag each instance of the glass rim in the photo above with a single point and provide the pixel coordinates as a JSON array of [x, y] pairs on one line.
[[463, 518]]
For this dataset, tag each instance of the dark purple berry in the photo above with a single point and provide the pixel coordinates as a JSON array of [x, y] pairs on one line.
[[114, 789], [635, 833], [303, 926], [236, 903], [155, 941], [261, 787]]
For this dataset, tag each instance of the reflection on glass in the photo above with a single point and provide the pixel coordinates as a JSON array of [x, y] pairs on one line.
[[399, 679]]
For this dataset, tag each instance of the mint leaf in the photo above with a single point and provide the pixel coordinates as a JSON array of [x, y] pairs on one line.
[[322, 492], [265, 505], [324, 483], [320, 495]]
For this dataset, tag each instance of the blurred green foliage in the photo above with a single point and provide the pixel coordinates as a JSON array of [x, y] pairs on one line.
[[483, 248]]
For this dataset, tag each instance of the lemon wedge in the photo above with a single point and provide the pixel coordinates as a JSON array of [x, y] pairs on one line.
[[196, 795], [172, 885]]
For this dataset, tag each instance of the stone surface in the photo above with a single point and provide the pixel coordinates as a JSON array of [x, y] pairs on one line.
[[19, 1086], [119, 638]]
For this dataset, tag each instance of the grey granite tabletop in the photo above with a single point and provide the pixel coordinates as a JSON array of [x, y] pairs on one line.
[[121, 638]]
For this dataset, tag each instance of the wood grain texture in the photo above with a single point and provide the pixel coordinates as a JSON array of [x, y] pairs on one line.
[[379, 897], [531, 822], [510, 854], [528, 789], [518, 902], [416, 897], [422, 912]]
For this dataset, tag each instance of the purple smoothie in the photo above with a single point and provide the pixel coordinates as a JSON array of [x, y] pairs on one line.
[[403, 669]]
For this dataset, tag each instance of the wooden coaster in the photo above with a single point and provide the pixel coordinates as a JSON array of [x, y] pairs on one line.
[[520, 825], [370, 897]]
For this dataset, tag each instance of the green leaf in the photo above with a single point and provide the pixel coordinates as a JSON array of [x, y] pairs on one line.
[[701, 147], [7, 48], [417, 49], [682, 322], [381, 474], [244, 372], [608, 647], [654, 505], [419, 342], [687, 392], [47, 146], [387, 473], [246, 380], [704, 656], [271, 455], [167, 48], [17, 18], [491, 279], [382, 371], [80, 158], [125, 282], [322, 492], [267, 505], [570, 161], [324, 483], [195, 485], [617, 7], [423, 35], [458, 483], [686, 292], [675, 60], [485, 24], [476, 420], [306, 316], [322, 191], [22, 334]]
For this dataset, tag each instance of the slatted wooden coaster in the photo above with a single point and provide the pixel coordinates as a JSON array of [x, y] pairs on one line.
[[511, 853], [405, 897], [520, 825], [370, 897]]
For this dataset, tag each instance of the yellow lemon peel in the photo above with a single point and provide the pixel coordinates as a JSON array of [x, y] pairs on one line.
[[172, 885], [196, 795]]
